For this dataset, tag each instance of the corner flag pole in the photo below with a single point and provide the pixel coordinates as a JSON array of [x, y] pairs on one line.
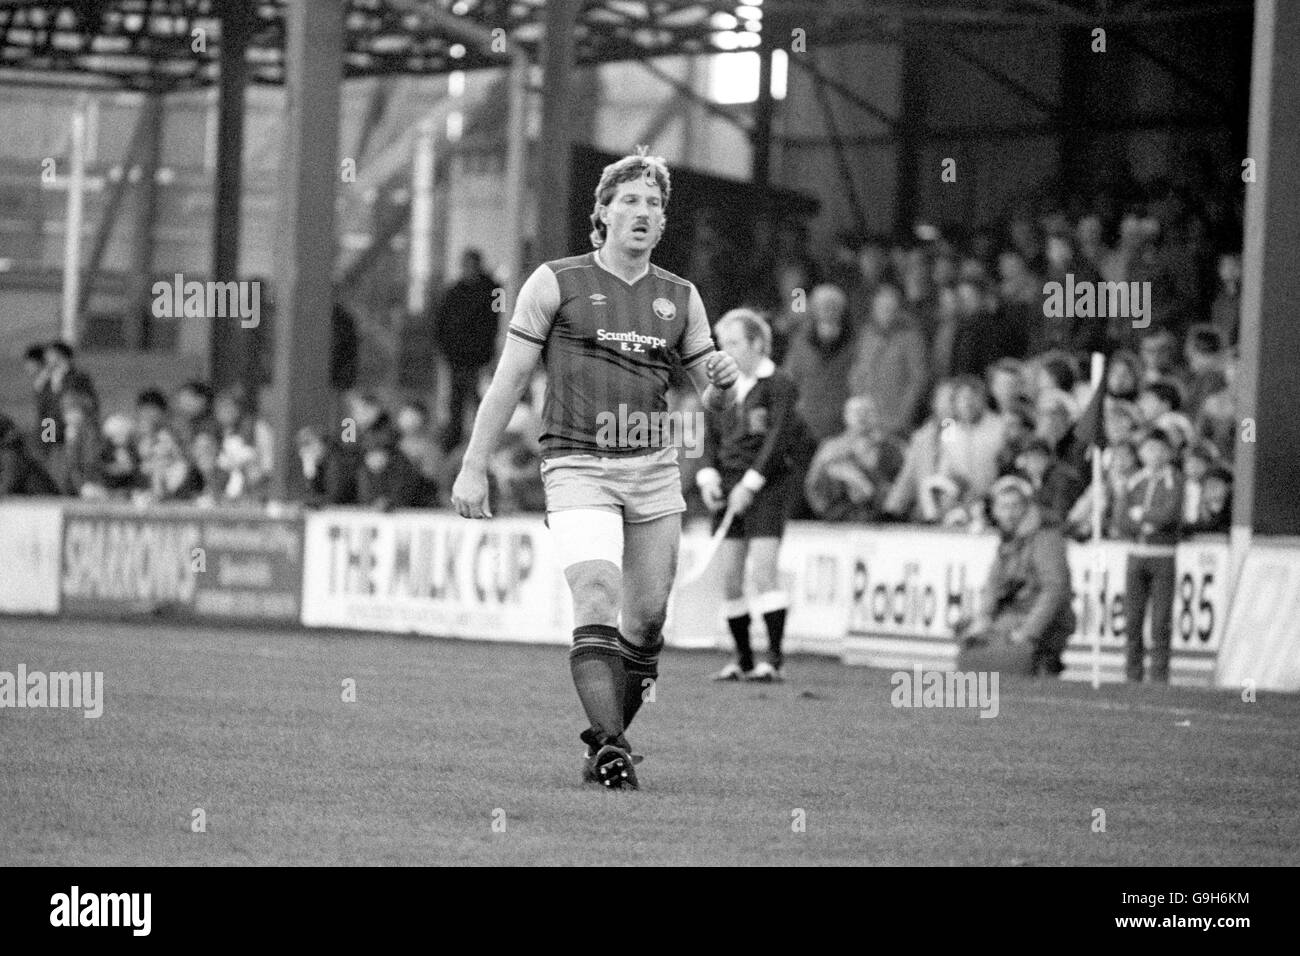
[[1098, 503]]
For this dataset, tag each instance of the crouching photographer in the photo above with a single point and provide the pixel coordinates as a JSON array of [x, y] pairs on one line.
[[1024, 619]]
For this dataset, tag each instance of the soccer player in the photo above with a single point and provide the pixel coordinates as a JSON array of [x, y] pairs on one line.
[[609, 326], [753, 455]]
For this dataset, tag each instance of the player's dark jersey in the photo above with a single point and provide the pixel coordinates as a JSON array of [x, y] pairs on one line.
[[609, 348]]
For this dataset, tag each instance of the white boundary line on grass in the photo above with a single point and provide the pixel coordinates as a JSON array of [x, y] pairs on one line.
[[1123, 706]]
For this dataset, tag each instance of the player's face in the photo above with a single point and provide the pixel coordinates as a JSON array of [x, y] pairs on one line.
[[634, 218]]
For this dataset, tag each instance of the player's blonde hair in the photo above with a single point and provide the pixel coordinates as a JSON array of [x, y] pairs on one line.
[[754, 326], [638, 165]]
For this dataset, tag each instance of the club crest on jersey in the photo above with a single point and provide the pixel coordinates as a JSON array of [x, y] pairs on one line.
[[665, 309], [597, 298]]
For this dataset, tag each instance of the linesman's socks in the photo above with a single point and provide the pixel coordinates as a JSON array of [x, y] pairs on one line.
[[772, 605], [641, 664], [598, 675], [737, 614]]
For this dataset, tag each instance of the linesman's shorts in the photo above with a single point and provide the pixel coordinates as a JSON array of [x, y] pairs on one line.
[[767, 514], [589, 498]]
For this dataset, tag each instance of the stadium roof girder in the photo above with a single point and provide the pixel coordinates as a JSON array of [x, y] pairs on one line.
[[152, 44]]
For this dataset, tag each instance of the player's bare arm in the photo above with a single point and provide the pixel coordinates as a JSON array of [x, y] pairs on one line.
[[469, 495], [713, 379]]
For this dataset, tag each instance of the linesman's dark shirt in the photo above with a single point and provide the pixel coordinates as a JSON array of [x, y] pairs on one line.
[[762, 433]]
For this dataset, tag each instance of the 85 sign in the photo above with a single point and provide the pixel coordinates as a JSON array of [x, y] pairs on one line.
[[1199, 601]]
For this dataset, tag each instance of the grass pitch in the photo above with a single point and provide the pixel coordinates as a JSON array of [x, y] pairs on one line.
[[467, 753]]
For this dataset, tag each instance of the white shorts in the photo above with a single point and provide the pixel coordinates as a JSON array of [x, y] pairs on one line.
[[636, 488], [587, 534]]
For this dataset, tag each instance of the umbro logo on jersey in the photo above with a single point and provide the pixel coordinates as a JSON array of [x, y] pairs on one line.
[[597, 298], [665, 309]]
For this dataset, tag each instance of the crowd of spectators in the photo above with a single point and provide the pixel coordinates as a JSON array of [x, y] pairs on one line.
[[210, 449], [928, 370]]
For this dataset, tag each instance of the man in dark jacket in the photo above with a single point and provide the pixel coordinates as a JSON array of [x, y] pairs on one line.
[[465, 332], [1025, 619], [21, 473], [387, 479], [62, 377], [890, 362], [820, 355]]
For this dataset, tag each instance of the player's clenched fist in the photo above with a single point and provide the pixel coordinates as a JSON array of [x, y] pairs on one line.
[[722, 370], [469, 495]]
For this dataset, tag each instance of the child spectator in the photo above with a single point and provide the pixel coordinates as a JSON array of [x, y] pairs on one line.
[[1215, 513], [329, 475], [168, 473], [1149, 516], [1055, 483], [416, 441], [150, 419], [246, 452], [205, 451], [192, 410], [1197, 460], [121, 467]]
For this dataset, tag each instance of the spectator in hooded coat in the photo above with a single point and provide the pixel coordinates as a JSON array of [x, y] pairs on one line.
[[889, 363], [819, 357]]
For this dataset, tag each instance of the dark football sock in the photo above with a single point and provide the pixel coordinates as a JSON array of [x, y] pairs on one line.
[[775, 623], [641, 664], [598, 675], [740, 634]]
